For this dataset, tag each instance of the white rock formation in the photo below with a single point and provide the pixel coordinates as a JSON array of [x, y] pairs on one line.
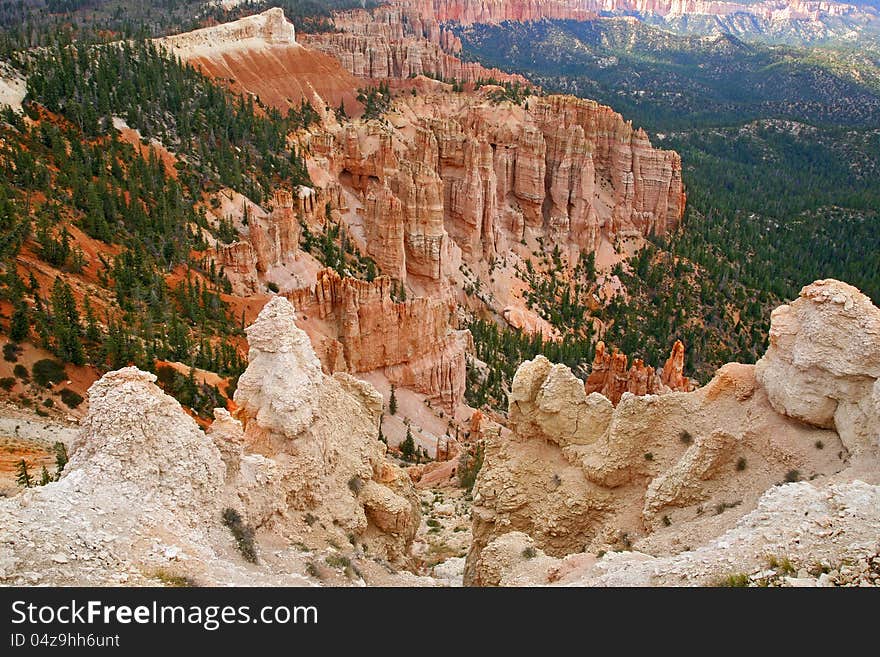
[[301, 464], [677, 470], [823, 363], [799, 525], [250, 33]]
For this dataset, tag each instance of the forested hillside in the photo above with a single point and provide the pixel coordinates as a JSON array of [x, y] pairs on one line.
[[124, 224]]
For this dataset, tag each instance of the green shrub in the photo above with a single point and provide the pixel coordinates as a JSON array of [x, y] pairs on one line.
[[47, 372], [736, 580], [11, 352], [469, 464], [70, 398], [649, 456], [174, 580], [355, 484], [741, 463], [273, 287], [530, 553], [21, 372], [792, 476], [7, 383], [243, 534], [820, 444], [685, 437], [48, 402]]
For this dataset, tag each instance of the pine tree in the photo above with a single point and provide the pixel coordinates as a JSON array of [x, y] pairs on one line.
[[65, 323], [44, 476], [60, 458], [408, 446], [24, 478], [20, 326], [392, 402]]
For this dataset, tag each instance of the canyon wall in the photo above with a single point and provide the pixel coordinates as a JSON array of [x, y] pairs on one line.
[[259, 56], [565, 169], [497, 11], [396, 42], [357, 327]]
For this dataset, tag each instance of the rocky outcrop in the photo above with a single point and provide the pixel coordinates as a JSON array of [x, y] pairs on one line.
[[799, 535], [270, 238], [558, 167], [259, 56], [321, 432], [363, 329], [145, 487], [823, 363], [611, 376], [580, 474]]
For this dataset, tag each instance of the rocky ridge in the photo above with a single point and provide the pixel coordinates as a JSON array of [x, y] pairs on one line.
[[578, 475]]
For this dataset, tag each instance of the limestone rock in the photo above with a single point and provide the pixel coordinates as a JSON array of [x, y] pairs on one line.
[[823, 363], [578, 473]]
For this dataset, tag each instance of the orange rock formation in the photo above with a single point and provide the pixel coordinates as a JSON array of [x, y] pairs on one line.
[[356, 327], [611, 375]]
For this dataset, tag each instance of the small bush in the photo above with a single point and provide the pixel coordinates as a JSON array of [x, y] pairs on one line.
[[7, 383], [649, 456], [174, 580], [11, 352], [356, 484], [469, 464], [792, 475], [741, 463], [243, 534], [737, 580], [313, 570], [431, 522], [273, 287], [21, 372], [310, 519], [48, 402], [338, 561], [820, 444], [685, 437], [530, 553], [783, 566], [70, 398], [666, 521], [48, 372]]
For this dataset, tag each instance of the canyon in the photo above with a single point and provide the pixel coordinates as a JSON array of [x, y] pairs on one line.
[[443, 206], [452, 189]]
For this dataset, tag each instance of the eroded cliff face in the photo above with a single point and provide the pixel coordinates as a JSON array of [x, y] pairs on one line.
[[579, 474], [488, 176], [496, 11], [397, 43], [357, 327]]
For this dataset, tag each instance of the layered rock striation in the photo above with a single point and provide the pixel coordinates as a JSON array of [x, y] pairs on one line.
[[487, 175], [358, 328]]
